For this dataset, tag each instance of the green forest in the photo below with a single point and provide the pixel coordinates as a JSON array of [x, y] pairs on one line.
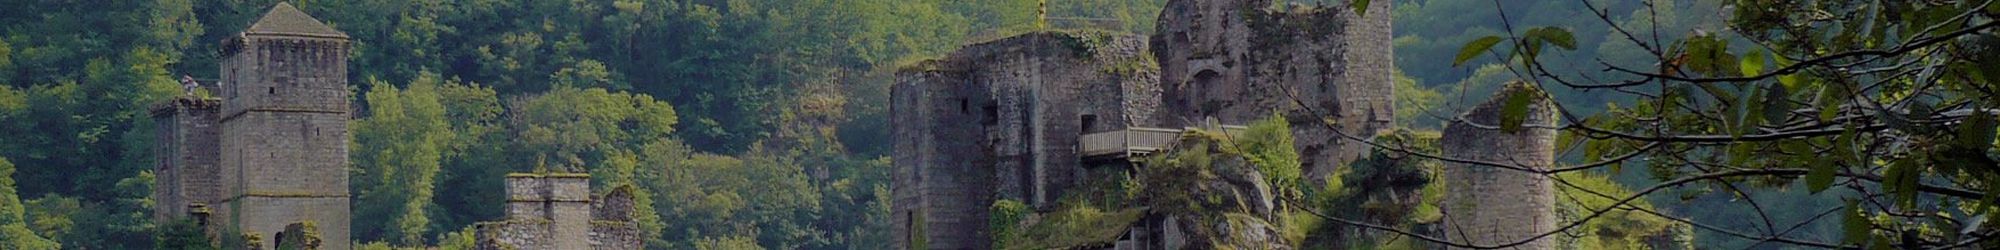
[[763, 124]]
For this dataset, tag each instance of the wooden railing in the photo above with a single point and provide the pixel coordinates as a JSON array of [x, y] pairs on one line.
[[1123, 143]]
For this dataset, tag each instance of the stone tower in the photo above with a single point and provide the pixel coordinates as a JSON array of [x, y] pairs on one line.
[[187, 157], [1002, 120], [1243, 60], [1488, 205], [284, 127]]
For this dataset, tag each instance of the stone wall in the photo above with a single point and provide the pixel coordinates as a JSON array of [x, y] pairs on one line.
[[513, 234], [187, 156], [615, 235], [1488, 205], [1244, 60], [1001, 120]]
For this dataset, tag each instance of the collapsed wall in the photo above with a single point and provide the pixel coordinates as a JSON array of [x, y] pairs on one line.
[[1244, 60], [1488, 205], [1001, 120]]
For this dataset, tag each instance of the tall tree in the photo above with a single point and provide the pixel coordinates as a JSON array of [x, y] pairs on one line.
[[402, 143], [14, 231]]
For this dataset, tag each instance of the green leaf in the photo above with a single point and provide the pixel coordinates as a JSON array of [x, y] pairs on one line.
[[1844, 147], [1777, 103], [1472, 49], [1553, 35], [1830, 98], [1360, 7], [1515, 110], [1710, 55], [1992, 195], [1741, 153], [1820, 176], [1977, 132], [1792, 81], [1901, 181], [1855, 226], [1753, 63]]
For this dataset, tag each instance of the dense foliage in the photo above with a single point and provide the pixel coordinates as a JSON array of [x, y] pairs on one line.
[[1886, 106]]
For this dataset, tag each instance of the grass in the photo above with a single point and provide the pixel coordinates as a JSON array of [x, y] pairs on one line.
[[1076, 226]]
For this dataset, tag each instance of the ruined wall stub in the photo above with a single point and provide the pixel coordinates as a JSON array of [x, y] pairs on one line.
[[1488, 205], [1244, 60], [557, 211], [187, 151], [563, 200], [284, 121], [1001, 120], [613, 225]]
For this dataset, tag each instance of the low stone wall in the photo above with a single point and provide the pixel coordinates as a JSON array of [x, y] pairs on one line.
[[513, 234]]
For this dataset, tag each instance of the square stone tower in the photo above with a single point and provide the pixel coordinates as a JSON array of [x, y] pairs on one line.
[[284, 127], [187, 157]]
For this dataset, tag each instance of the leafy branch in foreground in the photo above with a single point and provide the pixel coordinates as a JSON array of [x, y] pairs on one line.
[[1892, 103]]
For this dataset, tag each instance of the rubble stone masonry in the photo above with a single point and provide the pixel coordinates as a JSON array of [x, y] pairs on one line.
[[1488, 205], [1244, 60]]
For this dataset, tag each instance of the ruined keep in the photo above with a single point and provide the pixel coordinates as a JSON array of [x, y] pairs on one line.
[[556, 211], [1001, 120], [1242, 60], [1017, 118], [1489, 205], [271, 150]]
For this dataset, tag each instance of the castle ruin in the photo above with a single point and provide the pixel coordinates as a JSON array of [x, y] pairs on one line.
[[1488, 205], [1023, 118], [557, 211], [271, 149]]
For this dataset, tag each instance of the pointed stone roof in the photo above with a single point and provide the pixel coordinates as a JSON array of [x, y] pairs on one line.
[[286, 20]]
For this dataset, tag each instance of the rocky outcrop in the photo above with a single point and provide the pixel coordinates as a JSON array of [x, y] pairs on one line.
[[1208, 199]]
